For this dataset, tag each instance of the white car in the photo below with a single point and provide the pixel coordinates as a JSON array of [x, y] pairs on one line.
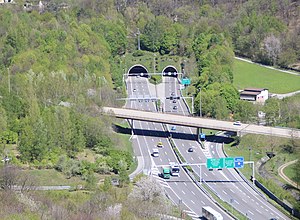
[[238, 123], [155, 152]]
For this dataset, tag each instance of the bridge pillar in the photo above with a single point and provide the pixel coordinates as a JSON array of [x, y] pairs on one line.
[[130, 122], [199, 131]]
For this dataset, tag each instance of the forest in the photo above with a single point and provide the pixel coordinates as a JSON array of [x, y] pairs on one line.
[[61, 62]]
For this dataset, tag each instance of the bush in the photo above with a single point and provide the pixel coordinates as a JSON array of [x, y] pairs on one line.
[[138, 53]]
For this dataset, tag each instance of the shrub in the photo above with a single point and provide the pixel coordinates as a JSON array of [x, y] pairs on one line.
[[138, 53]]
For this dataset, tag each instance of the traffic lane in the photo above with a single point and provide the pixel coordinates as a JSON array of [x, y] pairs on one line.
[[263, 207], [194, 197], [224, 185]]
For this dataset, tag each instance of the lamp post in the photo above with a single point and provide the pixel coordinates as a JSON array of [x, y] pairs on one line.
[[138, 34], [200, 105]]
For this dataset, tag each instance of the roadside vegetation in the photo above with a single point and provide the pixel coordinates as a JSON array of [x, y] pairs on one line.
[[59, 64]]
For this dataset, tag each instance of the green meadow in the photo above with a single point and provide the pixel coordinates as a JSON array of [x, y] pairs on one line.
[[253, 75]]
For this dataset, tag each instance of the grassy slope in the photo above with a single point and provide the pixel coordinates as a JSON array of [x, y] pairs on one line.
[[252, 75]]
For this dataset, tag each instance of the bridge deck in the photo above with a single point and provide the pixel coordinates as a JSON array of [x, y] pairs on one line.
[[197, 122]]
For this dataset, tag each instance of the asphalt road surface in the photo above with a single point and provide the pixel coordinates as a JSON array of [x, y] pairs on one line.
[[181, 190], [226, 183]]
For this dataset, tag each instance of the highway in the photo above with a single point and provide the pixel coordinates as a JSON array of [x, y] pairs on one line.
[[181, 190], [229, 186]]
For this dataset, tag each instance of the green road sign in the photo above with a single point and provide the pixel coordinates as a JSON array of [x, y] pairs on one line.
[[229, 162], [215, 163], [186, 81]]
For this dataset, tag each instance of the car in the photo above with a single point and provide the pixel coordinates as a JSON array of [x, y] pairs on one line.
[[174, 100], [155, 152], [175, 107], [173, 94], [190, 149], [238, 123], [173, 128], [134, 90], [160, 144]]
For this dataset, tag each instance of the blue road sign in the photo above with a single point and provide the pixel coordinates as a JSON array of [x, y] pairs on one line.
[[239, 162]]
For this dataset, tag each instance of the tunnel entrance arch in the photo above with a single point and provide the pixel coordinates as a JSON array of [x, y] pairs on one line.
[[170, 71], [138, 70]]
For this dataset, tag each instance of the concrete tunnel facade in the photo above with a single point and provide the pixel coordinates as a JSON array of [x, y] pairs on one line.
[[138, 70], [170, 71]]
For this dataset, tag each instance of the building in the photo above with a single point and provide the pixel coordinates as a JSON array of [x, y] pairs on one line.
[[6, 1], [255, 94]]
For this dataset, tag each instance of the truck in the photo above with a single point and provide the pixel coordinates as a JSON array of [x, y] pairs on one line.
[[210, 214], [166, 174]]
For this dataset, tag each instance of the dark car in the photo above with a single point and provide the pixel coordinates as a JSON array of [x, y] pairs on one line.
[[174, 100], [175, 107], [173, 93], [190, 149]]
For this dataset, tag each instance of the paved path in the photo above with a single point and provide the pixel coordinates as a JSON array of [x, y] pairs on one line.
[[281, 173], [139, 168], [281, 96]]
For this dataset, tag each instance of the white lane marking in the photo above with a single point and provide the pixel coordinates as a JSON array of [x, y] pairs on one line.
[[152, 139], [193, 193], [175, 183], [258, 211], [244, 201], [202, 202], [160, 159], [205, 174], [183, 192], [165, 152], [169, 159], [224, 192], [192, 201], [184, 183], [192, 158], [250, 212], [237, 202], [231, 190]]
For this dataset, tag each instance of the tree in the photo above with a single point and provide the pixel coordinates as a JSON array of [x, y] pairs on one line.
[[107, 184], [147, 198], [91, 181], [231, 95], [272, 110], [11, 176], [245, 111], [272, 47], [123, 177]]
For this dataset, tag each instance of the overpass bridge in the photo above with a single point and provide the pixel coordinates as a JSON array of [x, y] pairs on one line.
[[197, 122]]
